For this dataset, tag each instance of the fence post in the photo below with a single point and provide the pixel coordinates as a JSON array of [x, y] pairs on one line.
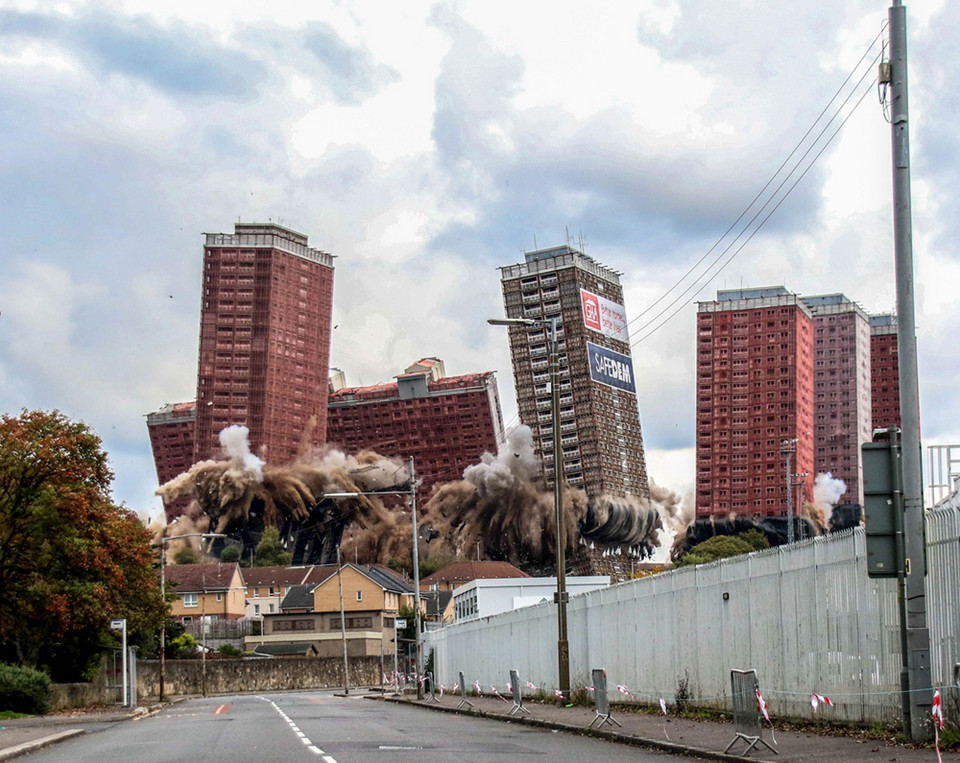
[[132, 683], [601, 699]]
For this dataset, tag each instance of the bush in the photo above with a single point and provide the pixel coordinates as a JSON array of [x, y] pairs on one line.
[[229, 650], [24, 690], [183, 646]]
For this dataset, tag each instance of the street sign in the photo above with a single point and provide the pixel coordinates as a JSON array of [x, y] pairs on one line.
[[117, 625], [401, 623]]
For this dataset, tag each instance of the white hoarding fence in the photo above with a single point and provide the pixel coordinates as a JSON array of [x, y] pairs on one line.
[[806, 616]]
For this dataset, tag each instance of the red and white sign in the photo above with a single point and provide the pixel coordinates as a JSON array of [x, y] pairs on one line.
[[604, 316]]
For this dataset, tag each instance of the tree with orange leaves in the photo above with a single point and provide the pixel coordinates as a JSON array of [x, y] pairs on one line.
[[70, 559]]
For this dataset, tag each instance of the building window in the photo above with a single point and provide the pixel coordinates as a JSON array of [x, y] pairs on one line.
[[191, 600], [219, 597], [352, 623], [359, 595], [256, 609], [293, 625]]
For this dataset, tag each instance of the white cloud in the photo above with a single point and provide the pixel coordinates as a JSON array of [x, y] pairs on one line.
[[425, 143]]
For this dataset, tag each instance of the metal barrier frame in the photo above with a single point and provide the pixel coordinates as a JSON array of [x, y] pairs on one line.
[[746, 714], [517, 694], [463, 693], [432, 696], [602, 700]]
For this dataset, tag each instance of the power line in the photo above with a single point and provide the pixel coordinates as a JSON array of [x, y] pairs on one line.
[[759, 226], [756, 198]]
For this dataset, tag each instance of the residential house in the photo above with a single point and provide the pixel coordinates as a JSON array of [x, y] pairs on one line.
[[459, 573], [209, 591], [438, 606], [266, 586], [310, 616]]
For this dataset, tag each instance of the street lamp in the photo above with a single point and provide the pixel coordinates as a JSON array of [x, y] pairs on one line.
[[788, 448], [412, 492], [163, 594], [563, 647]]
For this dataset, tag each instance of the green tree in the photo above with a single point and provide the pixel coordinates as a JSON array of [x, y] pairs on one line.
[[757, 540], [269, 551], [183, 646], [436, 562], [230, 554], [70, 560], [186, 555], [721, 547]]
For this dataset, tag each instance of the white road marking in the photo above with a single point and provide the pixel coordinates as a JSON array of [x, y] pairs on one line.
[[303, 737]]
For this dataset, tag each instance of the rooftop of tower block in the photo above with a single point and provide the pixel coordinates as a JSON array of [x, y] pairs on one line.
[[557, 258], [750, 299], [269, 236], [832, 304]]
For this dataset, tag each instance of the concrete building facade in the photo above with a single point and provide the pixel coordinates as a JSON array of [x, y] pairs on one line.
[[445, 422], [265, 324], [483, 598], [755, 392], [841, 386], [884, 371], [601, 439]]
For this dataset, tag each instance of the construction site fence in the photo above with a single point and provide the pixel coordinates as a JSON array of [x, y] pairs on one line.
[[805, 616]]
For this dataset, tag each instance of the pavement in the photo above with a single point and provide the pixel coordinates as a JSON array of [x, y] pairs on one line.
[[21, 736], [706, 739]]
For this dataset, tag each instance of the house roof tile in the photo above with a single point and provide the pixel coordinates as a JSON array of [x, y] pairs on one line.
[[464, 572], [260, 576], [298, 597], [200, 578]]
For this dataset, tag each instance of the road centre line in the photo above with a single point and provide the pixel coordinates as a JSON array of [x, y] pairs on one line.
[[303, 737]]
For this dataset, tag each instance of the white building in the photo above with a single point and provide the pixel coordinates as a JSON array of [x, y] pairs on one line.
[[483, 598]]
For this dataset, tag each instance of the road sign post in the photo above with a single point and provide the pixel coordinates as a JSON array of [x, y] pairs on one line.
[[121, 625]]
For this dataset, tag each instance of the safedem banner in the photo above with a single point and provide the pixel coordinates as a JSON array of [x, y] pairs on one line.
[[610, 368], [600, 314]]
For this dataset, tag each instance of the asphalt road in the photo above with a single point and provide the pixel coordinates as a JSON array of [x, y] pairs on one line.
[[317, 726]]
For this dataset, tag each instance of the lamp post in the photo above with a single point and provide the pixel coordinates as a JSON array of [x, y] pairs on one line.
[[163, 594], [412, 492], [563, 646], [343, 625], [788, 448]]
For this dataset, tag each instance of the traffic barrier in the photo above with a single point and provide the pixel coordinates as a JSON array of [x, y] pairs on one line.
[[601, 700], [517, 694], [432, 695], [747, 707], [463, 693]]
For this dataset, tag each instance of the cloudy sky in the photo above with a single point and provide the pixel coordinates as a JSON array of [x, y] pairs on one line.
[[426, 143]]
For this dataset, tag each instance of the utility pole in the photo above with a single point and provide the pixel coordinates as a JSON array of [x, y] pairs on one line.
[[418, 656], [343, 625], [917, 692]]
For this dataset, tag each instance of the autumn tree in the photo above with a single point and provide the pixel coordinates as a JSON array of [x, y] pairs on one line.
[[70, 560]]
